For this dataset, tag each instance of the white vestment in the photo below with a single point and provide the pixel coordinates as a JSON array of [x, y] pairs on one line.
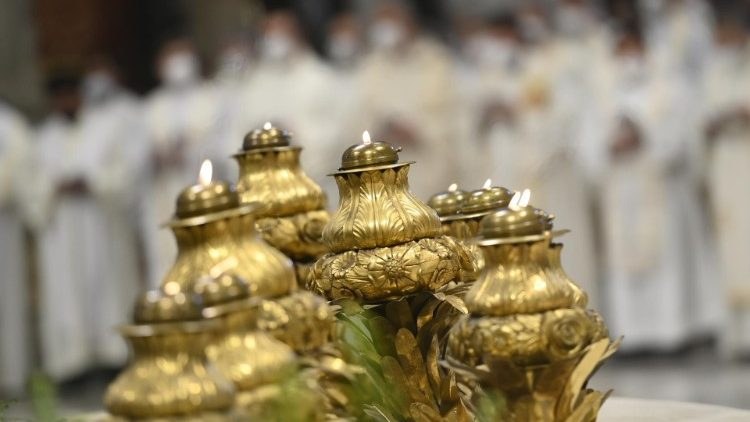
[[15, 332], [180, 121], [659, 295], [342, 102], [728, 171], [416, 88], [87, 257], [482, 88]]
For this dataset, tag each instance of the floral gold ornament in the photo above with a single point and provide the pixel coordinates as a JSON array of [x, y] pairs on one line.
[[529, 335], [216, 234], [294, 214], [391, 270], [169, 375]]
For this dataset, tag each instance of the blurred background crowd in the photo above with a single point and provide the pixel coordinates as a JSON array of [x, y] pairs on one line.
[[629, 120]]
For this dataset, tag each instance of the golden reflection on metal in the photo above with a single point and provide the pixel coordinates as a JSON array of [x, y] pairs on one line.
[[245, 355], [387, 253], [169, 375], [460, 213], [211, 244], [529, 335], [293, 213]]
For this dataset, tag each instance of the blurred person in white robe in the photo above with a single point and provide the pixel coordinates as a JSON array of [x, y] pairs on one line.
[[290, 88], [113, 128], [678, 33], [409, 98], [15, 331], [345, 49], [656, 292], [181, 119], [489, 80], [577, 55], [84, 161], [235, 64], [727, 102]]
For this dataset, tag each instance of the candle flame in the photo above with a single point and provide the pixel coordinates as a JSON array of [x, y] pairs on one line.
[[366, 138], [267, 126], [514, 201], [487, 184], [206, 173], [453, 187], [525, 197]]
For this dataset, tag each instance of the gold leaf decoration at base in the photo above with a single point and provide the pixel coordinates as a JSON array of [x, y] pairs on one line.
[[388, 273]]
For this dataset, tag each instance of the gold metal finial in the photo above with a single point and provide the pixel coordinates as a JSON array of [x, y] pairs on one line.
[[207, 196], [486, 199], [267, 137], [448, 202], [369, 154], [519, 221]]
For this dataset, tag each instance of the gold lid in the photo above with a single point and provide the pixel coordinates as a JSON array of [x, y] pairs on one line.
[[207, 196], [487, 199], [518, 222], [448, 202], [225, 288], [369, 154], [155, 306], [267, 137]]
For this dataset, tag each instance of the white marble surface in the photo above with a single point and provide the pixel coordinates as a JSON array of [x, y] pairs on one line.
[[620, 409]]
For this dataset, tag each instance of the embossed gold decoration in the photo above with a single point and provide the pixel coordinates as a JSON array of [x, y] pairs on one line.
[[529, 335], [460, 213], [216, 235], [248, 357], [294, 214], [388, 256], [169, 375]]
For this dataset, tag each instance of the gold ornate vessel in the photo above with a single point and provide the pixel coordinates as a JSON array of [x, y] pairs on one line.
[[169, 375], [460, 213], [294, 214], [384, 242], [529, 336], [388, 255], [216, 235]]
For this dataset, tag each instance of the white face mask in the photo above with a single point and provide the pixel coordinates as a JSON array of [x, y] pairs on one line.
[[98, 85], [232, 64], [343, 48], [386, 34], [180, 69], [632, 69], [277, 47], [533, 28], [493, 52], [572, 20]]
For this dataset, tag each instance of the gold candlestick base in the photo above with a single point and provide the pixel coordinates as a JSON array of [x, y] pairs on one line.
[[169, 375]]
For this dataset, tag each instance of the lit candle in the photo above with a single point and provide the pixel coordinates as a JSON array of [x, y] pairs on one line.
[[207, 196], [448, 202], [368, 154], [486, 199], [269, 136], [518, 219]]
